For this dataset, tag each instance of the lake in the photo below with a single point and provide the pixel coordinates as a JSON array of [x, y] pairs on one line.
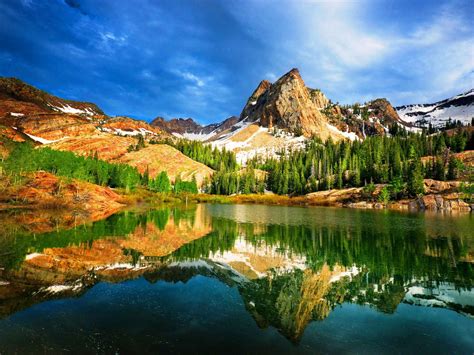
[[214, 278]]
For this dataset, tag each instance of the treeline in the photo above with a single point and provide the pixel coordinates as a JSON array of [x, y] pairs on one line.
[[227, 179], [228, 182], [25, 158], [204, 153], [395, 160]]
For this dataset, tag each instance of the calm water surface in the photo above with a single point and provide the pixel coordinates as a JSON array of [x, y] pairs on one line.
[[237, 279]]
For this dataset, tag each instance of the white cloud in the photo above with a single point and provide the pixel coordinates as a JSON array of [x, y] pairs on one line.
[[354, 50], [109, 40], [200, 82]]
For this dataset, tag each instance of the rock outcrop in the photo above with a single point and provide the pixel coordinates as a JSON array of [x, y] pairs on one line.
[[54, 126], [45, 117], [126, 126], [383, 111], [45, 190], [432, 202]]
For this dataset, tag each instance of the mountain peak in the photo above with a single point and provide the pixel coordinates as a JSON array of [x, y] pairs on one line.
[[292, 74], [287, 104]]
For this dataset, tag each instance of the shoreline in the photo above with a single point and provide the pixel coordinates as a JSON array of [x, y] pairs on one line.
[[45, 191]]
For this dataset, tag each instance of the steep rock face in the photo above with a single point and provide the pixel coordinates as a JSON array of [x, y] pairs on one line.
[[287, 104], [251, 105]]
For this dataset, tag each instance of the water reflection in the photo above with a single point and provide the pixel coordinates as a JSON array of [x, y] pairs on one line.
[[291, 266]]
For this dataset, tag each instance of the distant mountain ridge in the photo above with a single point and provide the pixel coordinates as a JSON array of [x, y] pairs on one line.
[[188, 128], [457, 108]]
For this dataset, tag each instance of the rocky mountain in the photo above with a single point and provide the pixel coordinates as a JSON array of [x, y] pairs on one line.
[[284, 114], [457, 108]]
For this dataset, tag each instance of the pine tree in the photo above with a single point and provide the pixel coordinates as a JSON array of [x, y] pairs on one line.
[[415, 183]]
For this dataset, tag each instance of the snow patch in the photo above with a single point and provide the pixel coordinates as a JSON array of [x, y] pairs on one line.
[[440, 112], [349, 135], [61, 288], [17, 114], [42, 140], [353, 271], [118, 266], [198, 136], [32, 256], [69, 109], [196, 264]]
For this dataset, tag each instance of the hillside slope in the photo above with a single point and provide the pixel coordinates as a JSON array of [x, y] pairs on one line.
[[155, 157], [21, 98]]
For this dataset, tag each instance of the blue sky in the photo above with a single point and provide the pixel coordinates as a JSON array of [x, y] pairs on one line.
[[203, 58]]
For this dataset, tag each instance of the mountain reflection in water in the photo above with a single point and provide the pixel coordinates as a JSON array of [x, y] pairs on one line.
[[290, 265]]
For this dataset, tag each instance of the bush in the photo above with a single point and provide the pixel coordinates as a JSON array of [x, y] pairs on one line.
[[384, 195], [368, 191]]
